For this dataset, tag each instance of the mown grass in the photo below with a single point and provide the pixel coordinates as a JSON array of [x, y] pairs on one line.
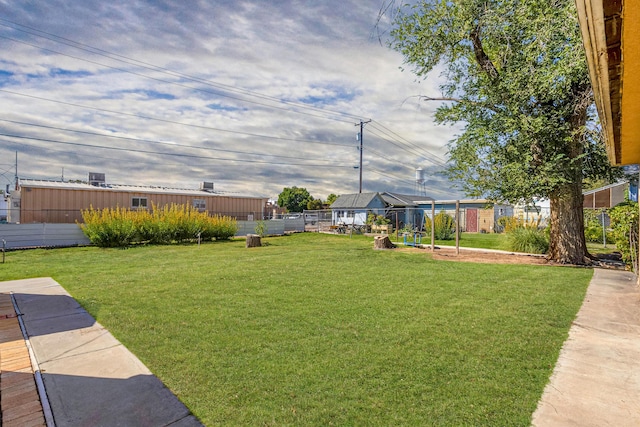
[[323, 330], [470, 240]]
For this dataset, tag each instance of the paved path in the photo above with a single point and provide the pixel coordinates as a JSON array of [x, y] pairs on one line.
[[596, 381], [91, 379]]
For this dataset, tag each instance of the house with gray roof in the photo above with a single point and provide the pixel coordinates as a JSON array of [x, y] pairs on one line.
[[400, 209], [353, 209]]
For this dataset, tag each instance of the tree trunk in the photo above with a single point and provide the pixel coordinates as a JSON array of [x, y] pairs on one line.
[[567, 244], [382, 242], [253, 240]]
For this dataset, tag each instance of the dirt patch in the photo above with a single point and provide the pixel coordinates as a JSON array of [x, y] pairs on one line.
[[465, 255], [447, 253]]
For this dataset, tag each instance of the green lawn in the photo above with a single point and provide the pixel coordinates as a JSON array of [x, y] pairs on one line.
[[323, 330], [469, 240]]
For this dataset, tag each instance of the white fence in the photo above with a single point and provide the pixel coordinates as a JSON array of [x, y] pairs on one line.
[[43, 235]]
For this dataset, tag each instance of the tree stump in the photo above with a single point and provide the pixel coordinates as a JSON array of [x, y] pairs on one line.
[[382, 242], [253, 240]]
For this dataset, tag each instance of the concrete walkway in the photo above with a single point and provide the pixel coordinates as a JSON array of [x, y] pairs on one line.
[[596, 381], [91, 379]]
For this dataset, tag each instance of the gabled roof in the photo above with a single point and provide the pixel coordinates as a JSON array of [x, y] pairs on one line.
[[355, 201]]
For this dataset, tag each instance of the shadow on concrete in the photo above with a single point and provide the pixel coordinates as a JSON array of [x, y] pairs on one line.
[[91, 401], [91, 379], [49, 314]]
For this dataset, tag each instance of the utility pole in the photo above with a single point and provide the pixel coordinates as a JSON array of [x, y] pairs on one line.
[[16, 170], [361, 137]]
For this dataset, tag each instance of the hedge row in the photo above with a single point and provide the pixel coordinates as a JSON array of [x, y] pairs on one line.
[[119, 227]]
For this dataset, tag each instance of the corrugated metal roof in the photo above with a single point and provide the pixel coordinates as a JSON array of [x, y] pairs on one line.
[[401, 200], [35, 183], [606, 187]]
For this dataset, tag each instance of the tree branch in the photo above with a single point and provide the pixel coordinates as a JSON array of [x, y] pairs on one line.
[[461, 101], [481, 56]]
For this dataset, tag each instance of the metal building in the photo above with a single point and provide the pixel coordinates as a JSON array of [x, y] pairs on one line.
[[37, 201]]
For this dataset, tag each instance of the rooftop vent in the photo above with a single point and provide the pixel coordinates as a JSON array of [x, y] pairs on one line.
[[96, 179], [206, 186]]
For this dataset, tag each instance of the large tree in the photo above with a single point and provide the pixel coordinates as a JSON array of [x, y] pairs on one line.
[[516, 79], [294, 198]]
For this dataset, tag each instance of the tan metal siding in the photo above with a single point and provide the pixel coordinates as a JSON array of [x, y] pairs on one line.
[[56, 205]]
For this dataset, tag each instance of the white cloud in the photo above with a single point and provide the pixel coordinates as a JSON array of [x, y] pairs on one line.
[[320, 54]]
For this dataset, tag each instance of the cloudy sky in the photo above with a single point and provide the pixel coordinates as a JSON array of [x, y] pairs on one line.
[[254, 96]]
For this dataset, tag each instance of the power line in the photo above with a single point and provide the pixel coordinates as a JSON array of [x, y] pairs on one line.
[[172, 144], [395, 139], [152, 67], [170, 82], [132, 150], [104, 110]]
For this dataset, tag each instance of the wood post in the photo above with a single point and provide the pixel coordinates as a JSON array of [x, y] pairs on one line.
[[253, 240]]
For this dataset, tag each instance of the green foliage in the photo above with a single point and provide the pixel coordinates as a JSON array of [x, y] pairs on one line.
[[261, 228], [294, 199], [314, 204], [529, 240], [593, 227], [507, 223], [373, 219], [331, 198], [518, 79], [624, 225], [119, 227], [109, 228], [444, 226]]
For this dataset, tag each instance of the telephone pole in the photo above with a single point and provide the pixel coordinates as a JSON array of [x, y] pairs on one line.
[[361, 137]]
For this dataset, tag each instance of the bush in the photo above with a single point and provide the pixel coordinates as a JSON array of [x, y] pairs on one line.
[[111, 227], [373, 219], [170, 224], [528, 240], [592, 226], [624, 230], [261, 228], [508, 223], [444, 226]]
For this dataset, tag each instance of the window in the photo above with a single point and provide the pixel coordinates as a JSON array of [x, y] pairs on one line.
[[139, 202], [200, 204]]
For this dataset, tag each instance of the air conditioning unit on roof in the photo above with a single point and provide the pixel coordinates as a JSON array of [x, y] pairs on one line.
[[206, 186]]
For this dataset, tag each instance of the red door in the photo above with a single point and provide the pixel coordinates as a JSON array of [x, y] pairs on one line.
[[472, 220]]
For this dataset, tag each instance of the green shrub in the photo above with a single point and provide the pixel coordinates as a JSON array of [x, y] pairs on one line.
[[170, 224], [220, 227], [444, 226], [528, 240], [373, 219], [592, 226], [624, 230], [508, 223], [109, 228], [261, 228]]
